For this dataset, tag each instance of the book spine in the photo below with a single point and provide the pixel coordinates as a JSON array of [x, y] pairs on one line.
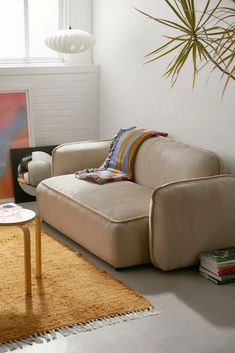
[[221, 271], [209, 273], [226, 270], [228, 261], [222, 279], [216, 266], [210, 278]]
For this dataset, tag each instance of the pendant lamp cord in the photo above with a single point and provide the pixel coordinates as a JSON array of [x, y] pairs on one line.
[[70, 27]]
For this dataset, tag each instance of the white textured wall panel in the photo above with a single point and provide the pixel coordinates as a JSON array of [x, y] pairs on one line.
[[63, 101], [135, 94]]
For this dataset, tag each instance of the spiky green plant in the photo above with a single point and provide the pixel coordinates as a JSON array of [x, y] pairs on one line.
[[208, 36]]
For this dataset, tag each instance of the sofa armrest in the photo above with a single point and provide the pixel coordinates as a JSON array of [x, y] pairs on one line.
[[191, 216], [71, 157]]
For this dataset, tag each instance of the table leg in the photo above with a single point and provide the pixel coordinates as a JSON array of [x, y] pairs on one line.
[[27, 259], [38, 248]]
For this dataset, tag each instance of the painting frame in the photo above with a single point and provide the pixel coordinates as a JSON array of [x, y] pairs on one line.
[[15, 131]]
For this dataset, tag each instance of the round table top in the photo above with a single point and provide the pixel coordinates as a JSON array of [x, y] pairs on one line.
[[23, 217]]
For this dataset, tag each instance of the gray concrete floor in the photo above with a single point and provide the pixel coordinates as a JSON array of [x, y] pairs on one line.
[[197, 316]]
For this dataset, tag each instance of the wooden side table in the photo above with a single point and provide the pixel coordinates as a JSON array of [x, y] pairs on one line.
[[25, 216]]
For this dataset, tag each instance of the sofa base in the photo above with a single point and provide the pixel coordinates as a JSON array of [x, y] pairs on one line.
[[117, 243]]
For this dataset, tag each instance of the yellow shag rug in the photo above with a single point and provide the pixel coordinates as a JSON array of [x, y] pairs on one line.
[[72, 296]]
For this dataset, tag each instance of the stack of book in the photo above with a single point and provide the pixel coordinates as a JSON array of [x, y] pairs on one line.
[[218, 265]]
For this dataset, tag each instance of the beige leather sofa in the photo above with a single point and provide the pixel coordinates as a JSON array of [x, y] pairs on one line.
[[177, 206]]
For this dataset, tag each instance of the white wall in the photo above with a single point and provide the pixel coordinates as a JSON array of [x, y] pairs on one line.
[[63, 101], [135, 94]]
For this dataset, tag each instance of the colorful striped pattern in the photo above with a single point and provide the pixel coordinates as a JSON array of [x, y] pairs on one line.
[[119, 164]]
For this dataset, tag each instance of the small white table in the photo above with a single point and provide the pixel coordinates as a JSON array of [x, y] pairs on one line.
[[25, 216]]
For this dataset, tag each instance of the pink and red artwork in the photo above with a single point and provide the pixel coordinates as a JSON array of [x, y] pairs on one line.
[[14, 133]]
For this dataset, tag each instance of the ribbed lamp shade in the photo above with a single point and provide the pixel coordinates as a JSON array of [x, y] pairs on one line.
[[70, 41]]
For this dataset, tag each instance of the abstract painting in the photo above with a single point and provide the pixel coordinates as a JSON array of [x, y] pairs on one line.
[[14, 133]]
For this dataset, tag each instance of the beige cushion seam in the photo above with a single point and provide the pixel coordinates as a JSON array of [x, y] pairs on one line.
[[152, 239], [188, 181]]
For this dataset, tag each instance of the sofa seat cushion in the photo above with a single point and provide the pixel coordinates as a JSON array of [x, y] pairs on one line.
[[118, 202], [111, 220]]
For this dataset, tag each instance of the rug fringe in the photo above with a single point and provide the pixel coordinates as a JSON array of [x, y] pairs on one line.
[[74, 329]]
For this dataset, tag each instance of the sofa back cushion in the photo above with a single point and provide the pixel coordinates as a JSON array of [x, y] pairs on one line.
[[162, 160]]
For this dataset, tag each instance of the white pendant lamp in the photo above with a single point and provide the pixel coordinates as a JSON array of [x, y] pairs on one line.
[[70, 41]]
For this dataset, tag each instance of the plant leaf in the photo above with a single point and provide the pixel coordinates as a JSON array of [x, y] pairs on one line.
[[178, 14], [194, 54], [167, 52]]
